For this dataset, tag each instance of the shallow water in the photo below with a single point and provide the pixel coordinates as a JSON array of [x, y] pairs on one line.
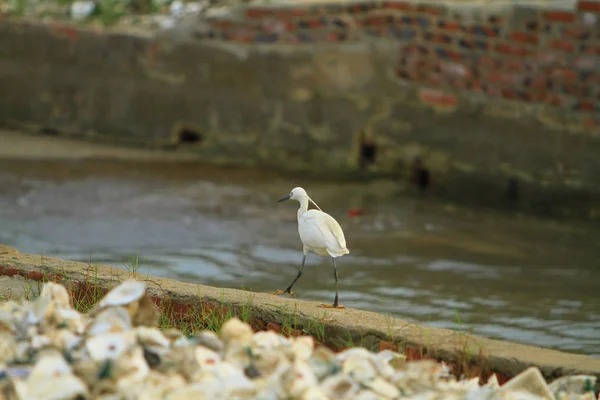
[[493, 274]]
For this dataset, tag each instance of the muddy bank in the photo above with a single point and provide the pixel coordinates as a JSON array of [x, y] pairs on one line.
[[370, 329]]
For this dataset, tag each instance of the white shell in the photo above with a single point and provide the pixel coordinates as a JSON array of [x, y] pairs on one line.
[[151, 337], [206, 357], [57, 294], [529, 381], [50, 364], [239, 364], [197, 391], [111, 320], [339, 386], [125, 293], [108, 345], [61, 387], [360, 369], [383, 388], [71, 318], [235, 330], [132, 368], [299, 379], [302, 347], [578, 384], [264, 340]]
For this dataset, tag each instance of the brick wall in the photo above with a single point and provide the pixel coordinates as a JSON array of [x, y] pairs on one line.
[[482, 101], [533, 55]]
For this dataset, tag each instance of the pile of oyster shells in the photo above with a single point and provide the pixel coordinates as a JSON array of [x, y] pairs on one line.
[[48, 350]]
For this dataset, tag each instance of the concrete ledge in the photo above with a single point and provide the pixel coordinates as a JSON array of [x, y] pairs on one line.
[[335, 328]]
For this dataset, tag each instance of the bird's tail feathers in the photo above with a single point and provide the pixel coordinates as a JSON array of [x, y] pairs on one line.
[[311, 200], [339, 254]]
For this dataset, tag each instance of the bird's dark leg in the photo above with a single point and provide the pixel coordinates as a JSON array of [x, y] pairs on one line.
[[335, 300], [289, 289]]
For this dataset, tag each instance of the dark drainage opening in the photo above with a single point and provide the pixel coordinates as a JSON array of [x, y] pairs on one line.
[[420, 176], [46, 130], [368, 151], [189, 136]]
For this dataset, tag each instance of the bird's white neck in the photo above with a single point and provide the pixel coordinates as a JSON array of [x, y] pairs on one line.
[[303, 206]]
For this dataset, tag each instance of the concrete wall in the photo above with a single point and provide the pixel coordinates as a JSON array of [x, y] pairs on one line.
[[483, 95]]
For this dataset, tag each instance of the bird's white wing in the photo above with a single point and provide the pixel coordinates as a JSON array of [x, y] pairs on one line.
[[329, 229]]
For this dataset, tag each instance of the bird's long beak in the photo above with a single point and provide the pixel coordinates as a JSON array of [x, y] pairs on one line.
[[285, 198]]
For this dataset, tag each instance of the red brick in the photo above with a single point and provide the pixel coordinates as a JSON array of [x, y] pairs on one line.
[[573, 89], [274, 327], [356, 9], [505, 48], [502, 379], [65, 31], [454, 55], [314, 23], [438, 98], [539, 95], [589, 63], [566, 74], [256, 13], [181, 310], [435, 79], [291, 13], [577, 32], [490, 62], [397, 5], [476, 86], [333, 37], [586, 105], [453, 26], [556, 100], [377, 21], [564, 45], [591, 49], [493, 19], [512, 95], [439, 38], [501, 78], [242, 37], [12, 272], [35, 275], [413, 353], [298, 12], [560, 16], [524, 37], [386, 345], [258, 324], [539, 82], [515, 65], [587, 5], [434, 10]]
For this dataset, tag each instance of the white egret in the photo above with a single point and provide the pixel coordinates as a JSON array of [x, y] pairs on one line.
[[319, 233]]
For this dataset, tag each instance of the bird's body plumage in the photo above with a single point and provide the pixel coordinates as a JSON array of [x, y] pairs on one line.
[[321, 234]]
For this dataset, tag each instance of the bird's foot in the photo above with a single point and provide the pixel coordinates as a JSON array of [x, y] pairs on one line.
[[330, 306], [280, 292]]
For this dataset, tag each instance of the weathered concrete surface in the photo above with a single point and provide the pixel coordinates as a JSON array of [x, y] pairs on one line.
[[299, 108], [18, 288], [369, 328]]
